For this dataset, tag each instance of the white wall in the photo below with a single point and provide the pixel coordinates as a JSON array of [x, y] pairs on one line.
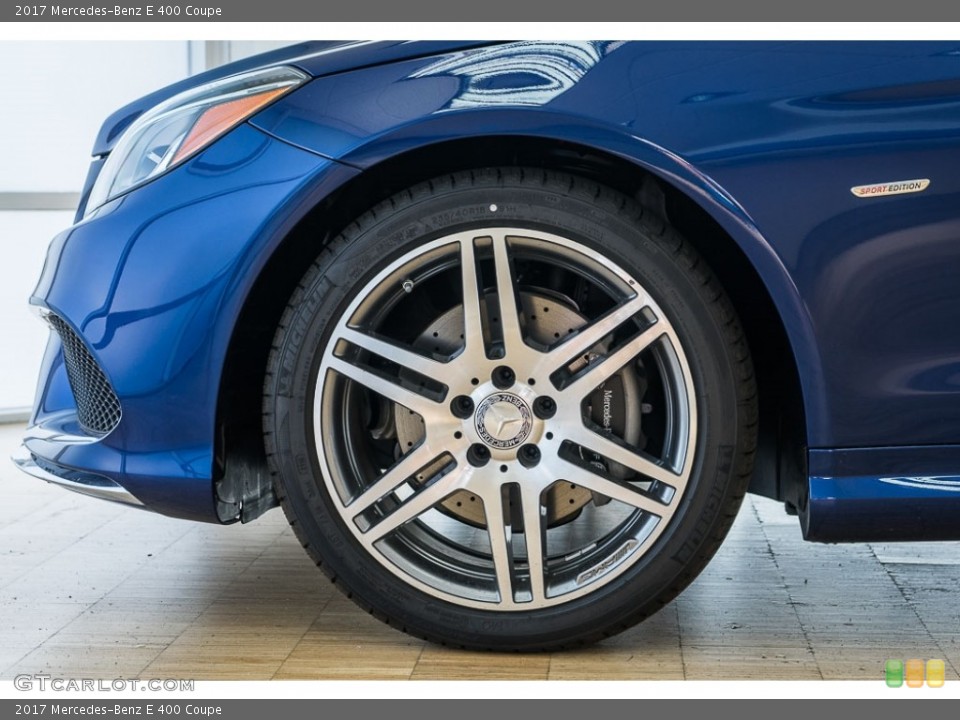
[[57, 95], [23, 237], [61, 93]]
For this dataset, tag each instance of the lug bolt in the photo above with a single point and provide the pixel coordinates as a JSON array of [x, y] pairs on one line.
[[503, 377], [529, 455], [544, 407], [461, 406], [478, 455]]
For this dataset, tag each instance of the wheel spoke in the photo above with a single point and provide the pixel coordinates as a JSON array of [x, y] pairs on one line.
[[609, 448], [533, 529], [501, 543], [420, 457], [500, 530], [472, 327], [386, 387], [614, 490], [418, 504], [588, 336], [398, 354], [506, 298], [586, 382]]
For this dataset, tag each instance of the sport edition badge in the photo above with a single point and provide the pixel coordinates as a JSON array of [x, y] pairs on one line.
[[890, 188]]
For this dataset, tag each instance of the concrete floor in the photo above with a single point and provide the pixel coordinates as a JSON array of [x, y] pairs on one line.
[[92, 589]]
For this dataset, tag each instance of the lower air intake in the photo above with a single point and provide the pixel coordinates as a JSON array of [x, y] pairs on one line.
[[98, 408]]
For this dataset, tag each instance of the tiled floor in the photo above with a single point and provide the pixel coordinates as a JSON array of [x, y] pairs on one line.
[[91, 589]]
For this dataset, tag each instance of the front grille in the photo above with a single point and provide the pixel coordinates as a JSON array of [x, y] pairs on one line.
[[98, 408]]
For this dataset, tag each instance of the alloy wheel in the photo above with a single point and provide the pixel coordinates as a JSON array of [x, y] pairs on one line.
[[521, 444]]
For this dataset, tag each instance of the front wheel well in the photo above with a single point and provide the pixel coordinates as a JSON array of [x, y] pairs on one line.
[[241, 482]]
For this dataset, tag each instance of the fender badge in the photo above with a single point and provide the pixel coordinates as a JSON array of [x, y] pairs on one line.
[[891, 188]]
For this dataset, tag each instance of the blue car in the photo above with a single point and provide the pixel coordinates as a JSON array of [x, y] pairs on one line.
[[509, 329]]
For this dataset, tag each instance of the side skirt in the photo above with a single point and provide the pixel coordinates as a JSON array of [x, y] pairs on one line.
[[873, 494]]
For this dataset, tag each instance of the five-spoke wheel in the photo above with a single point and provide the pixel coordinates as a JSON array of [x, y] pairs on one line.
[[501, 398], [499, 430]]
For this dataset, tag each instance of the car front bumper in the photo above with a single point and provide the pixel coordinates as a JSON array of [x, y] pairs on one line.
[[152, 284]]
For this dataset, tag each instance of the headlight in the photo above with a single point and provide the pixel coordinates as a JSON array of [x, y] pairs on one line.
[[171, 132]]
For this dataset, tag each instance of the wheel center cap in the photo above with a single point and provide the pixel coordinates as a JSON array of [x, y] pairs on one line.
[[503, 421]]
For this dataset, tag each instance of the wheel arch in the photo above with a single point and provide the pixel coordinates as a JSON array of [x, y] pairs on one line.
[[776, 327]]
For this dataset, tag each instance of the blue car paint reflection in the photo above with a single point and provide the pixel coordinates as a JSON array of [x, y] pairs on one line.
[[516, 75]]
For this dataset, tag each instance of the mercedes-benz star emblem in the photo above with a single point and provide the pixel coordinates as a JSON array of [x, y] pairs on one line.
[[503, 421]]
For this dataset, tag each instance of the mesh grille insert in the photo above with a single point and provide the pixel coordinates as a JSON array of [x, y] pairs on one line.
[[98, 408]]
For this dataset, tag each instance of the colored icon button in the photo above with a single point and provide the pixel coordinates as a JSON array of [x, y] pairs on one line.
[[914, 673], [893, 669], [935, 673]]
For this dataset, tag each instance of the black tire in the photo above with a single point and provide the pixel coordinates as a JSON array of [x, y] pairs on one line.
[[636, 573]]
